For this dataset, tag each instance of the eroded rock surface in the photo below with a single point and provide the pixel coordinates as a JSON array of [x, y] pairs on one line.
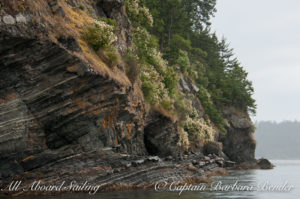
[[238, 143], [54, 105]]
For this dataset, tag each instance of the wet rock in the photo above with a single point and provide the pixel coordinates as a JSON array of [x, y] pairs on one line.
[[126, 164], [9, 20], [202, 163], [265, 164], [195, 162], [10, 168], [214, 148], [220, 162], [35, 161], [154, 159], [138, 162], [65, 104], [224, 156], [229, 163], [191, 167], [200, 172], [21, 18], [169, 158]]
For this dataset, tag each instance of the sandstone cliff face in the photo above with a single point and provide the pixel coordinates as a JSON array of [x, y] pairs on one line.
[[60, 105], [53, 101]]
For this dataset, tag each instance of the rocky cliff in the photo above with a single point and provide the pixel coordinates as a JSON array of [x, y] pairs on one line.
[[64, 114]]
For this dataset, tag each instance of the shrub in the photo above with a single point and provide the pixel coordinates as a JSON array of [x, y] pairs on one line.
[[171, 80], [138, 14], [167, 104], [158, 82], [82, 7], [183, 139], [183, 61], [184, 107], [109, 21], [199, 130], [152, 85], [132, 69], [110, 56], [210, 108], [99, 35]]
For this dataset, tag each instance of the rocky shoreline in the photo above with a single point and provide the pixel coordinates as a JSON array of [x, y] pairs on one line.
[[113, 171]]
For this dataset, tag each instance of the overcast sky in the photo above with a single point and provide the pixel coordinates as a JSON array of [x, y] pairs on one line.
[[265, 35]]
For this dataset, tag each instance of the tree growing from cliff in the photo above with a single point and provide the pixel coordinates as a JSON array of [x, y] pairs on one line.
[[180, 30], [182, 27]]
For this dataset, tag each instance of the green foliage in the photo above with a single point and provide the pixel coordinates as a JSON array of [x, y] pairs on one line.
[[198, 129], [109, 21], [182, 27], [148, 90], [146, 48], [183, 61], [81, 7], [158, 80], [138, 13], [153, 87], [177, 33], [110, 56], [210, 108], [171, 80], [177, 45], [179, 17], [99, 36], [167, 104], [227, 80]]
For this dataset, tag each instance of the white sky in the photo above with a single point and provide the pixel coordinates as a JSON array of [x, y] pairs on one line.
[[265, 35]]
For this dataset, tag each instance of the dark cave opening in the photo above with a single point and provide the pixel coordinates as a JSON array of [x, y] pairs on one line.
[[151, 148]]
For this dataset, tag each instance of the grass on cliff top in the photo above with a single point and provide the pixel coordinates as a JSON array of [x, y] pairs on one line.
[[80, 21], [73, 24]]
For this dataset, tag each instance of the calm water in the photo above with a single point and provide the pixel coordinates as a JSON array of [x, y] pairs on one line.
[[285, 171]]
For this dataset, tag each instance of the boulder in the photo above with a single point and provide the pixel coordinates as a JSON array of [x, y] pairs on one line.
[[229, 163], [9, 20], [213, 148], [153, 159], [138, 162], [264, 164], [21, 18]]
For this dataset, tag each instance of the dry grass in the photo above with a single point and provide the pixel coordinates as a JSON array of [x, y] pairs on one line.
[[73, 25], [171, 114], [79, 21]]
